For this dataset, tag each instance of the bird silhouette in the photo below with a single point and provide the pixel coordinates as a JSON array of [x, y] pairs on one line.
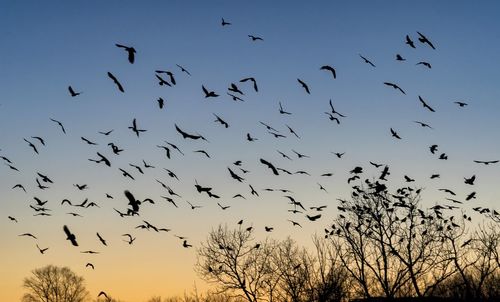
[[70, 236], [409, 42], [395, 134], [162, 81], [367, 61], [42, 251], [72, 92], [281, 109], [186, 135], [101, 159], [426, 64], [208, 93], [115, 80], [486, 162], [425, 104], [330, 69], [90, 265], [225, 23], [183, 69], [461, 104], [221, 121], [60, 125], [253, 81], [270, 166], [304, 85], [255, 38], [31, 145], [399, 58], [235, 176], [135, 129], [130, 50], [470, 181], [423, 39], [395, 87]]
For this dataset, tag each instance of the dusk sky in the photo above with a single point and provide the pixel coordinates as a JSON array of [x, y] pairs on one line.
[[50, 45]]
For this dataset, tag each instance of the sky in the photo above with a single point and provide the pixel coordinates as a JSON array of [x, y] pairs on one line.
[[48, 46]]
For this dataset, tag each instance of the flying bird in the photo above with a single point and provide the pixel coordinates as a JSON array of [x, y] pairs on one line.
[[270, 166], [367, 61], [115, 80], [304, 85], [253, 81], [208, 93], [225, 23], [72, 92], [130, 50], [486, 162], [409, 42], [423, 39], [395, 87], [60, 125], [425, 104], [426, 64], [255, 38], [183, 69], [329, 68], [395, 134], [135, 129], [70, 236]]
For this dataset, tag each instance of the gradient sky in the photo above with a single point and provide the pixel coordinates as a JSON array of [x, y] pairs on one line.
[[47, 46]]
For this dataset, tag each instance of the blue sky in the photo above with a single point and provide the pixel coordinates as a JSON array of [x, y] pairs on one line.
[[48, 46]]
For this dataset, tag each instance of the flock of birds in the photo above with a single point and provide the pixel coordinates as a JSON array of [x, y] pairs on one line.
[[236, 170]]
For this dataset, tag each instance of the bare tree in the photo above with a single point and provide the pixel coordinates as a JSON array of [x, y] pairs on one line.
[[236, 263], [54, 284], [390, 245]]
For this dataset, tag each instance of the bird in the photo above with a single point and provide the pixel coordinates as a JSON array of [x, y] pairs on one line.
[[329, 68], [208, 93], [28, 235], [106, 133], [304, 85], [250, 138], [395, 134], [270, 166], [255, 38], [115, 80], [42, 251], [425, 104], [72, 92], [185, 244], [423, 124], [88, 141], [235, 89], [294, 223], [281, 109], [161, 102], [183, 69], [234, 97], [486, 162], [461, 104], [135, 129], [433, 148], [395, 86], [31, 145], [426, 64], [12, 219], [89, 265], [423, 39], [409, 42], [253, 81], [333, 109], [470, 181], [130, 50], [221, 121], [161, 81], [223, 207], [70, 236], [130, 238], [170, 76], [101, 239], [235, 176], [60, 125], [367, 61], [399, 58], [313, 218], [225, 23], [300, 155], [186, 135], [102, 159], [102, 293], [338, 154]]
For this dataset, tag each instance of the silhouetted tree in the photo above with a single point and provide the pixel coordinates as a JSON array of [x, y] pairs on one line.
[[235, 262], [54, 284], [390, 245]]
